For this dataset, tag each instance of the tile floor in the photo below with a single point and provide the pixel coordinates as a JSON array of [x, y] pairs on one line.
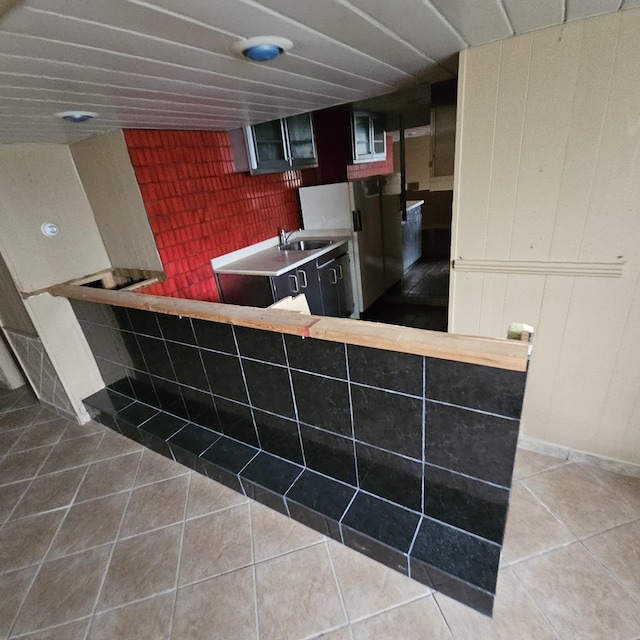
[[103, 540]]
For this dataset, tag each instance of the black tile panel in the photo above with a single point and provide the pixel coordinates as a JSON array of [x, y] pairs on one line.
[[329, 454], [200, 407], [107, 401], [156, 358], [321, 494], [383, 553], [314, 520], [279, 436], [144, 322], [461, 554], [388, 420], [135, 414], [214, 335], [122, 385], [317, 356], [260, 345], [88, 311], [236, 421], [479, 387], [187, 366], [229, 454], [477, 444], [142, 387], [386, 369], [133, 351], [269, 388], [322, 402], [225, 375], [269, 498], [163, 426], [390, 476], [271, 473], [169, 397], [194, 438], [176, 329], [386, 522]]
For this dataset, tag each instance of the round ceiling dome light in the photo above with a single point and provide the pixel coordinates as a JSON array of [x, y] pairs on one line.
[[77, 116], [261, 48]]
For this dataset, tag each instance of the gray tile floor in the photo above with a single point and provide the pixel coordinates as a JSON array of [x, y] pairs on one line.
[[101, 539]]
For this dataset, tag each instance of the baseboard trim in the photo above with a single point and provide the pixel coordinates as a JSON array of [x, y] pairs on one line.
[[582, 457]]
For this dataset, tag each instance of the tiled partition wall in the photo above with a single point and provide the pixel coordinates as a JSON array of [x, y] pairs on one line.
[[405, 458]]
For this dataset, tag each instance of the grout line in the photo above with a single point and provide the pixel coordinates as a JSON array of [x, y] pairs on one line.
[[351, 416], [254, 571], [181, 548], [337, 582], [50, 545], [113, 548], [295, 402], [424, 433]]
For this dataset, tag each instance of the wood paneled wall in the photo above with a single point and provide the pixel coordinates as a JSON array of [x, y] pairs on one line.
[[548, 170]]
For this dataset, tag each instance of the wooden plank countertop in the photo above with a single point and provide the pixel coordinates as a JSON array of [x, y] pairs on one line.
[[492, 352]]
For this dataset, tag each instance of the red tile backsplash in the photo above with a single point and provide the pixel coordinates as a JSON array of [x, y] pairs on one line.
[[199, 208]]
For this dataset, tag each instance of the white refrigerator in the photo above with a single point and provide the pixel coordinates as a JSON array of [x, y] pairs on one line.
[[352, 206]]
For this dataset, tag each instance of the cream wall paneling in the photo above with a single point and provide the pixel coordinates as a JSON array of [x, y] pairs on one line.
[[546, 221], [39, 183], [110, 184]]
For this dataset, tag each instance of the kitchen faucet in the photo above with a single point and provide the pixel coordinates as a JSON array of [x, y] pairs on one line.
[[284, 236]]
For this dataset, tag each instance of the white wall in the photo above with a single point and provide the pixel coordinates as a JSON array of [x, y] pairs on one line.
[[548, 171], [110, 184]]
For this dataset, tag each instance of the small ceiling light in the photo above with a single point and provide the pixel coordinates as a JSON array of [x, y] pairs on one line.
[[50, 229], [261, 48], [77, 116]]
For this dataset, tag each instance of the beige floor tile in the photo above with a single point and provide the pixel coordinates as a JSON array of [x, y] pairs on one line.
[[156, 505], [414, 621], [619, 550], [109, 476], [89, 524], [529, 463], [627, 487], [41, 435], [340, 634], [64, 590], [13, 589], [141, 566], [216, 543], [49, 492], [154, 467], [578, 596], [515, 616], [206, 496], [71, 631], [149, 619], [565, 490], [75, 430], [531, 529], [9, 496], [115, 444], [25, 417], [72, 453], [223, 607], [25, 541], [23, 465], [306, 600], [8, 439], [275, 534], [369, 587]]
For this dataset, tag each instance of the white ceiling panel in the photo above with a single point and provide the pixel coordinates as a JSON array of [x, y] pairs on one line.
[[577, 9], [168, 63], [477, 22], [526, 15], [630, 4]]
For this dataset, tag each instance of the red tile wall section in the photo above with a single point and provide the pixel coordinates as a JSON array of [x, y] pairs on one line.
[[199, 208], [370, 169]]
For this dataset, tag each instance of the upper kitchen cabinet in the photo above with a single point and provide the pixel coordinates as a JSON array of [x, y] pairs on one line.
[[369, 137], [276, 146]]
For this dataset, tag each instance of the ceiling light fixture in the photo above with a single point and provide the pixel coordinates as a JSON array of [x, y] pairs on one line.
[[261, 48], [77, 116]]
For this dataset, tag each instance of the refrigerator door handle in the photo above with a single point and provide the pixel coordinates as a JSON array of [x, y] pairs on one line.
[[357, 220]]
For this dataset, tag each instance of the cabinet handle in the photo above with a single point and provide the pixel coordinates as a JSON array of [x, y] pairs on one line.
[[334, 273], [296, 288], [340, 274], [303, 274]]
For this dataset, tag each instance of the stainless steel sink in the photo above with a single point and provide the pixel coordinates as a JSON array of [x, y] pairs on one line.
[[305, 245]]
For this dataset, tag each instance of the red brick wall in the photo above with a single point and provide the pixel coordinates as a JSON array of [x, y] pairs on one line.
[[199, 208]]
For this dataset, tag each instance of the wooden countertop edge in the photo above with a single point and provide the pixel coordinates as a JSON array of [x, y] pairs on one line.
[[502, 354]]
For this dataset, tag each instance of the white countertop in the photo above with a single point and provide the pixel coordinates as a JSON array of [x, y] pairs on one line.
[[413, 203], [268, 260]]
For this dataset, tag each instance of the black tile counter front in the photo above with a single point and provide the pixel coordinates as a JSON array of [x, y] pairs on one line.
[[405, 458]]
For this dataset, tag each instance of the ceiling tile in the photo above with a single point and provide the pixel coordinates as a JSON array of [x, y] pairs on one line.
[[577, 9], [527, 16]]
